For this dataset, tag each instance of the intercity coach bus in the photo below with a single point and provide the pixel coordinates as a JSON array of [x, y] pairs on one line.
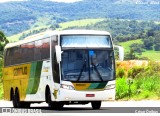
[[60, 68]]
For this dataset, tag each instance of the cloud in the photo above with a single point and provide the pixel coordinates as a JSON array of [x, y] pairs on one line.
[[2, 1], [67, 1]]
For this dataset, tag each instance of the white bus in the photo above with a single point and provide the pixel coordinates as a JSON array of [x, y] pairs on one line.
[[60, 68]]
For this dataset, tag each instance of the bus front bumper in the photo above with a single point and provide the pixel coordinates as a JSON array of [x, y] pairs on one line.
[[73, 95]]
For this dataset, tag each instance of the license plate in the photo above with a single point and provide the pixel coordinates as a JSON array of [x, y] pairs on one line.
[[90, 95]]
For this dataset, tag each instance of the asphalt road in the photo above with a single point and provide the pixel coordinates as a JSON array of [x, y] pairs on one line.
[[106, 107]]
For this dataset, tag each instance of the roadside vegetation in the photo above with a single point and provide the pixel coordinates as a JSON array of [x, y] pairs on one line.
[[145, 82], [3, 42], [1, 85]]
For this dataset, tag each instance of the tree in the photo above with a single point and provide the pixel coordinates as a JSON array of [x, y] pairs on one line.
[[3, 42], [137, 47], [157, 47], [148, 43], [131, 55]]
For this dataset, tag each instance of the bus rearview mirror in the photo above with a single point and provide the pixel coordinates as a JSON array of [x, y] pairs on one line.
[[121, 52], [58, 53]]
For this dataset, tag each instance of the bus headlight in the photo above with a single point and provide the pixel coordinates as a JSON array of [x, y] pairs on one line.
[[112, 86], [69, 87]]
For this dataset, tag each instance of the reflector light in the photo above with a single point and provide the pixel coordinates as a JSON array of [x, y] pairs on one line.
[[90, 95]]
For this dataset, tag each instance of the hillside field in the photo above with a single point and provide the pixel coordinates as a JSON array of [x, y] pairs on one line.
[[150, 54], [63, 26]]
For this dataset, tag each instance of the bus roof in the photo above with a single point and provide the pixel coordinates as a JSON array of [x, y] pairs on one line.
[[50, 33], [77, 32]]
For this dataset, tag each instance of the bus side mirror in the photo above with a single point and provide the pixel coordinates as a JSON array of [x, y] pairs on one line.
[[58, 53], [121, 52]]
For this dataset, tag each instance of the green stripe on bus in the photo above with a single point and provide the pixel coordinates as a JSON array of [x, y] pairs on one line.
[[97, 86], [34, 77], [101, 85], [93, 86]]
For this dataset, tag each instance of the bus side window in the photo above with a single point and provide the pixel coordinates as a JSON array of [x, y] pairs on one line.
[[46, 48], [11, 56], [24, 52], [38, 50], [30, 52], [6, 60]]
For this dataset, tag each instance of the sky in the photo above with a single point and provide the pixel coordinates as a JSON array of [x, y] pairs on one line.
[[2, 1]]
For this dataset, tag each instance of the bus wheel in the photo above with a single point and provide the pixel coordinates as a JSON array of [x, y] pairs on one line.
[[53, 105], [13, 100], [49, 101], [16, 101], [96, 104]]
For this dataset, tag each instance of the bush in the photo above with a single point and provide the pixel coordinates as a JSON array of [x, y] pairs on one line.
[[154, 66], [145, 94], [1, 91], [120, 73], [1, 65], [1, 85], [146, 83], [135, 71], [121, 88]]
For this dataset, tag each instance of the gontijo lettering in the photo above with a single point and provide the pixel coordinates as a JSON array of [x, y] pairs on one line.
[[20, 71]]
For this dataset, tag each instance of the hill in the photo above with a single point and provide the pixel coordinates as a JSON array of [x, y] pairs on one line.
[[150, 54], [20, 16], [141, 36], [70, 24]]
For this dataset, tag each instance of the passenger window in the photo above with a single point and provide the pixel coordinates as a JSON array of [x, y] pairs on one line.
[[45, 48]]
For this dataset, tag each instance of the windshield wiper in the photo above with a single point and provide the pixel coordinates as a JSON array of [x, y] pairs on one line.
[[99, 75], [95, 68], [83, 67]]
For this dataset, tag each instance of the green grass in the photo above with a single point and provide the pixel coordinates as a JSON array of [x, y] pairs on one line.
[[146, 83], [128, 43], [142, 88], [14, 38], [150, 54], [79, 23], [1, 90]]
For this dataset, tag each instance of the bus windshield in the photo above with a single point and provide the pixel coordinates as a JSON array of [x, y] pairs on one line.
[[88, 65], [83, 41]]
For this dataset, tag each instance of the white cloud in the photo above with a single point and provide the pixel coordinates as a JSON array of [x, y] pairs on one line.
[[1, 1], [67, 1]]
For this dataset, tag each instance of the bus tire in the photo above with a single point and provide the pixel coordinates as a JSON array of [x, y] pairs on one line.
[[16, 100], [11, 94], [13, 100], [17, 103], [53, 105], [96, 104], [49, 100]]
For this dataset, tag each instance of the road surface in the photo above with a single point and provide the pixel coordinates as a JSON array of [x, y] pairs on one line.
[[147, 106]]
